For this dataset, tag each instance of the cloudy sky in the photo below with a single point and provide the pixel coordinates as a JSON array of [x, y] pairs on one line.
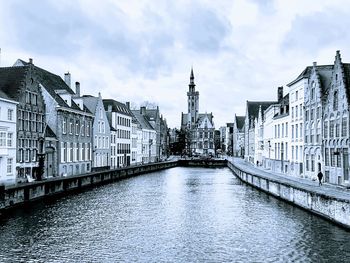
[[138, 50]]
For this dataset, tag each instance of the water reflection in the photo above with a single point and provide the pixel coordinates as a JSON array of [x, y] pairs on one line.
[[176, 215]]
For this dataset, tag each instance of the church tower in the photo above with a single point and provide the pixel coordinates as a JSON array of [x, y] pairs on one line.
[[193, 102]]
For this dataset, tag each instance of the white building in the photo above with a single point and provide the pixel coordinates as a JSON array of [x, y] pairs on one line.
[[120, 118], [8, 138], [238, 136], [146, 144], [296, 123]]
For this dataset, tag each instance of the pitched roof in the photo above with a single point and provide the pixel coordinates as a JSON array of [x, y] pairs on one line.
[[307, 72], [239, 122], [90, 102], [117, 107], [201, 117], [11, 81], [142, 120], [253, 107], [347, 79]]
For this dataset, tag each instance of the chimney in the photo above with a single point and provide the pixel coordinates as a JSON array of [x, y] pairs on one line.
[[67, 79], [280, 94], [109, 108], [30, 61], [77, 89], [127, 104], [143, 110]]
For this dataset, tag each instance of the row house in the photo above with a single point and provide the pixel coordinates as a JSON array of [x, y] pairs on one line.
[[146, 142], [8, 137], [70, 121], [252, 111], [21, 83], [238, 136], [120, 118], [296, 123], [101, 132], [336, 124]]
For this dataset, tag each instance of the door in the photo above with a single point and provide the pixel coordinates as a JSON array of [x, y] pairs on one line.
[[49, 162]]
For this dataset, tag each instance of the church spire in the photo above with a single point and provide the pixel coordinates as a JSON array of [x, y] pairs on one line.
[[192, 77]]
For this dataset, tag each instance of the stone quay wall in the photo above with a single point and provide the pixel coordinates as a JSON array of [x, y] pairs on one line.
[[335, 209], [21, 194]]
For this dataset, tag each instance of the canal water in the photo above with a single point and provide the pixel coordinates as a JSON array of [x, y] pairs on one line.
[[175, 215]]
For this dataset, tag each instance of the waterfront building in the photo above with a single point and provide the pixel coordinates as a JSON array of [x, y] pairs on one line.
[[252, 112], [270, 136], [238, 136], [336, 124], [20, 83], [8, 139], [135, 148], [101, 133], [229, 138], [199, 126], [147, 147], [120, 118], [307, 148], [223, 141], [164, 139], [281, 134], [70, 122], [297, 148]]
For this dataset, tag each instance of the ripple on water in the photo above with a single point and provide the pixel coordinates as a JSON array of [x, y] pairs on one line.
[[176, 215]]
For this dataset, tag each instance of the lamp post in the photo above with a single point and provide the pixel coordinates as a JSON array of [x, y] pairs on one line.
[[41, 159], [282, 157]]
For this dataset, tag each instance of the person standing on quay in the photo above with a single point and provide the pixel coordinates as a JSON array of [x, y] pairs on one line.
[[320, 176]]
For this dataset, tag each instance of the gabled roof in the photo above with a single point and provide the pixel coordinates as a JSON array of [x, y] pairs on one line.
[[49, 132], [117, 107], [307, 72], [239, 122], [142, 120], [90, 102], [152, 114], [11, 81], [253, 107]]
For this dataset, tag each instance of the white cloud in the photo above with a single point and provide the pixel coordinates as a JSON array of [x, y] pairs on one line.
[[143, 50]]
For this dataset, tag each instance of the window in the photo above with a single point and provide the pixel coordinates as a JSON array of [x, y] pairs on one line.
[[312, 114], [325, 129], [292, 131], [338, 158], [9, 139], [332, 157], [313, 85], [292, 153], [296, 131], [71, 126], [2, 139], [301, 130], [64, 125], [301, 110], [282, 130], [9, 165], [307, 162], [296, 153], [312, 162], [331, 129], [88, 128], [337, 129], [318, 112], [296, 95], [77, 130], [286, 129], [296, 111], [279, 131], [344, 127], [326, 155], [335, 100], [10, 114], [292, 112], [306, 115]]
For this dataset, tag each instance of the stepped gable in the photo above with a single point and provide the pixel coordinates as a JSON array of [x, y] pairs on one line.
[[253, 108]]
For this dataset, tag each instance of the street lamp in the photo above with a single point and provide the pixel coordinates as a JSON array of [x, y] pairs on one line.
[[281, 157], [41, 159]]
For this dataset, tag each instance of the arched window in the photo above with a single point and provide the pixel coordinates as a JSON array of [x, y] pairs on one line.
[[335, 100]]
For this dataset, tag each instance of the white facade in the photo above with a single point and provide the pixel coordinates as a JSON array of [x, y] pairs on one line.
[[149, 147], [134, 138], [122, 123], [296, 126], [8, 139], [269, 137]]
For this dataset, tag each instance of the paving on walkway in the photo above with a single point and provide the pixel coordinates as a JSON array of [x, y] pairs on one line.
[[302, 183]]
